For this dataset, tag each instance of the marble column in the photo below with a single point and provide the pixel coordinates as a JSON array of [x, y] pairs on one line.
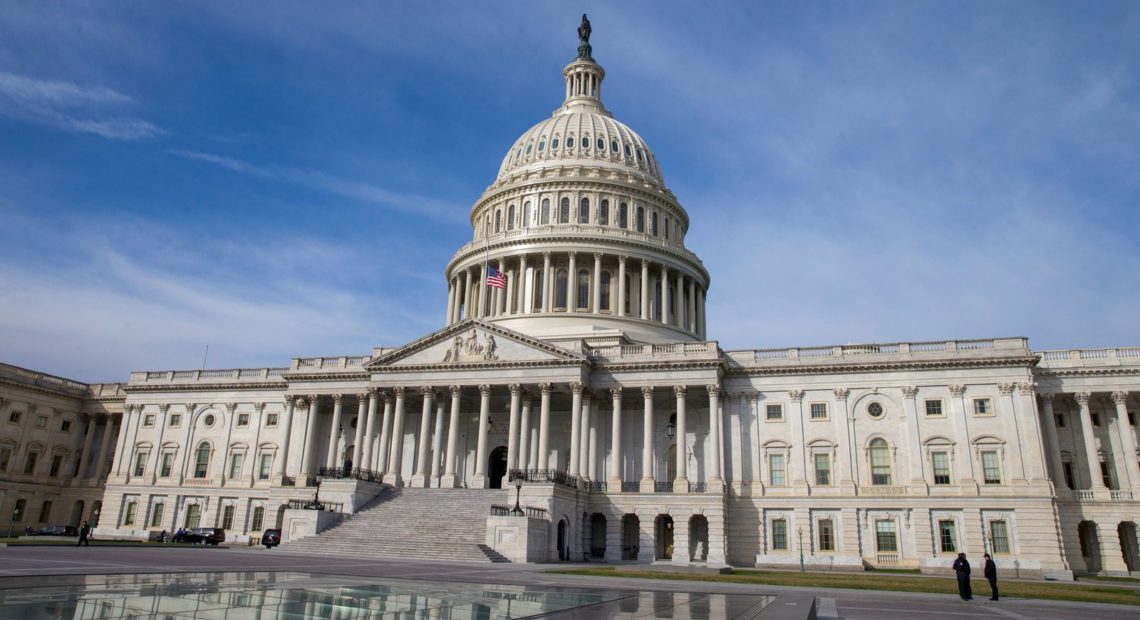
[[334, 431], [681, 482], [279, 470], [480, 479], [523, 304], [1091, 457], [644, 290], [1127, 439], [648, 459], [575, 426], [366, 460], [524, 435], [450, 480], [437, 439], [358, 441], [384, 444], [105, 445], [584, 464], [845, 451], [309, 451], [396, 451], [911, 446], [613, 482], [620, 302], [509, 296], [513, 429], [420, 479], [572, 284], [664, 318], [715, 481], [547, 284], [679, 317], [467, 297], [596, 285], [1054, 447], [544, 427], [450, 307], [88, 441]]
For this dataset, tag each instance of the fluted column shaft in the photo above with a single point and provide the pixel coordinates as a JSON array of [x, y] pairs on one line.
[[437, 440], [620, 302], [480, 481], [1054, 446], [513, 429], [358, 441], [586, 463], [425, 435], [572, 284], [681, 483], [648, 459], [385, 436], [547, 283], [575, 426], [450, 479], [310, 436], [1090, 441], [664, 295], [692, 305], [644, 290], [366, 460], [450, 307], [467, 297], [524, 436], [104, 445], [88, 441], [287, 429], [396, 452], [714, 438], [524, 303], [544, 427], [616, 460], [679, 317], [596, 286], [334, 431], [1127, 438]]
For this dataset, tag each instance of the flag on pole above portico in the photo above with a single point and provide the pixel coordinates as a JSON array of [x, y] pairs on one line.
[[496, 278]]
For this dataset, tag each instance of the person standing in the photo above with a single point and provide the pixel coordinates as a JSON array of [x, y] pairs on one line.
[[962, 570], [991, 576], [84, 531]]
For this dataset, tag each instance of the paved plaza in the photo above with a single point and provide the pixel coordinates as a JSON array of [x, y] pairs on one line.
[[183, 582]]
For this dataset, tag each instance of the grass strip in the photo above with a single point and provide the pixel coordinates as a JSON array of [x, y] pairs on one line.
[[894, 583]]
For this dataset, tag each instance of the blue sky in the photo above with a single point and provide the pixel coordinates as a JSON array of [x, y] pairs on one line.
[[290, 178]]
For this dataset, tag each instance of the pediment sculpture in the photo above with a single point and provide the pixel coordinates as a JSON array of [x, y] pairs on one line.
[[472, 349]]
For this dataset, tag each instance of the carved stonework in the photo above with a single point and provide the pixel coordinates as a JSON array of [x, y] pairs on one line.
[[472, 349], [514, 388], [1120, 398], [576, 387], [1005, 389], [841, 393], [545, 387], [957, 390], [796, 395], [910, 391], [713, 390], [1027, 389], [679, 390], [647, 391], [1082, 398]]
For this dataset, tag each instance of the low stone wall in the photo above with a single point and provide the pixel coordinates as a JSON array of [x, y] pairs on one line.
[[519, 539]]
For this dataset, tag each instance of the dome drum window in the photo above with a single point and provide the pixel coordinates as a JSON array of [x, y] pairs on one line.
[[601, 144], [554, 144], [542, 146]]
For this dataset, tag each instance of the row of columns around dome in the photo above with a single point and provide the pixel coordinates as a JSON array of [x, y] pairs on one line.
[[592, 209], [649, 291]]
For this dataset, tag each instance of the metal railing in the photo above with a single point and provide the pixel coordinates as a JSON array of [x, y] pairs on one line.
[[351, 473], [597, 486], [630, 487], [314, 504], [533, 512], [698, 487], [663, 487], [556, 476]]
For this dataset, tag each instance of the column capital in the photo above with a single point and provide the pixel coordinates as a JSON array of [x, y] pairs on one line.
[[190, 407], [313, 398], [455, 390], [616, 392], [796, 395], [1120, 398], [957, 390], [840, 393], [910, 391], [362, 396], [577, 387], [484, 389], [647, 391], [545, 387], [598, 255], [546, 256], [259, 407], [1082, 398], [398, 391], [515, 388], [1005, 389], [713, 390], [622, 258], [680, 390], [426, 390], [755, 397], [1027, 389], [163, 408], [338, 398]]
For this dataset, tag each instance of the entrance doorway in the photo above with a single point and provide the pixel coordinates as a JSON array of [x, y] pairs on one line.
[[630, 532], [563, 551], [77, 513], [699, 538], [664, 536], [598, 535], [1090, 545], [497, 467], [1127, 532]]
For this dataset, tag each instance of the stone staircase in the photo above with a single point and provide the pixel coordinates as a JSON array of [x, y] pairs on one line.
[[413, 524]]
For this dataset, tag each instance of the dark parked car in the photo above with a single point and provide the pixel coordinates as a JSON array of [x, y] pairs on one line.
[[59, 530], [205, 536], [271, 538]]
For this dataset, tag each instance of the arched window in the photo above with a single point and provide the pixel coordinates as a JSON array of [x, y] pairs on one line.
[[666, 226], [511, 217], [537, 293], [564, 211], [655, 315], [604, 283], [601, 144], [880, 458], [639, 219], [652, 224], [673, 301], [584, 211], [604, 213], [585, 142], [623, 216], [544, 213], [528, 215], [554, 144], [202, 460], [498, 220], [560, 289], [583, 290], [627, 302]]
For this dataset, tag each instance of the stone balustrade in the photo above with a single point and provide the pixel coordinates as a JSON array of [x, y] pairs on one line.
[[227, 375]]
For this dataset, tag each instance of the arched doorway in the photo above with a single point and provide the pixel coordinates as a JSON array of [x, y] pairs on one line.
[[77, 513], [1128, 546], [630, 535], [698, 538], [497, 467], [281, 516], [664, 537], [1090, 545], [598, 535], [563, 551]]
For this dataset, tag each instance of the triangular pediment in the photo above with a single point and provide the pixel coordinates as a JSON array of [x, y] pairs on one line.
[[474, 342]]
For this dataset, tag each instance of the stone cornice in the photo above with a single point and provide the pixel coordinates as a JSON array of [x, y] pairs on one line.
[[482, 365], [520, 187], [43, 389], [879, 366], [205, 387], [650, 365], [1111, 371], [325, 377]]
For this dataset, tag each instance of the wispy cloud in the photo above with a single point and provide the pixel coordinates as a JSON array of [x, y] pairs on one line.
[[71, 107], [433, 208]]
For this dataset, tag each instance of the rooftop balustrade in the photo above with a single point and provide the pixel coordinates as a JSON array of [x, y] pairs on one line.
[[1084, 358], [888, 351], [213, 375]]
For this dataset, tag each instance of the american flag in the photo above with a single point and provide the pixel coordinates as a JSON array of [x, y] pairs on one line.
[[496, 278]]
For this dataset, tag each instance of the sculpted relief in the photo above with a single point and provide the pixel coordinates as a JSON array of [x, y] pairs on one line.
[[472, 349]]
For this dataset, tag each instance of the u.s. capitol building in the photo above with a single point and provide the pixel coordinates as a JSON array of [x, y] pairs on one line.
[[588, 378]]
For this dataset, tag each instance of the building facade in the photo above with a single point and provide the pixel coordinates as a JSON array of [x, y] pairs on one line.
[[574, 358]]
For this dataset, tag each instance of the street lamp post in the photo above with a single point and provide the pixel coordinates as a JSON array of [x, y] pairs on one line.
[[800, 534], [517, 511]]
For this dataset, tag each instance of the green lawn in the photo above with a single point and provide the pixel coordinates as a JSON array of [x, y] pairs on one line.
[[892, 582]]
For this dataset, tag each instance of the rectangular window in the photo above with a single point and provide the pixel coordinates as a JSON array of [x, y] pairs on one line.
[[1069, 480], [991, 470], [819, 411], [1106, 474], [228, 518], [235, 465], [880, 466], [201, 462], [822, 469], [45, 511], [774, 412], [140, 464], [65, 426], [14, 417], [41, 421], [243, 420], [175, 420], [779, 534], [156, 515], [885, 539], [1060, 420], [947, 537], [5, 457], [193, 516], [933, 408], [776, 470], [999, 537], [256, 521], [129, 516], [940, 462], [983, 407], [30, 463], [56, 465], [271, 419], [826, 535], [167, 464], [148, 420], [265, 467]]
